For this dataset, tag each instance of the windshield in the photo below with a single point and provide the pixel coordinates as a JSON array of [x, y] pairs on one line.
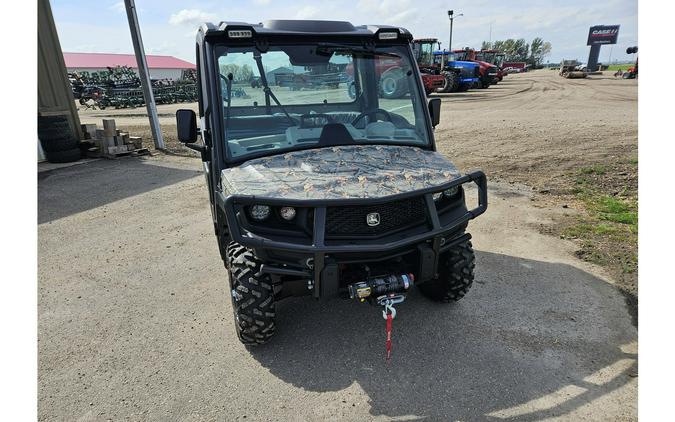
[[486, 57], [323, 94], [444, 56], [461, 56]]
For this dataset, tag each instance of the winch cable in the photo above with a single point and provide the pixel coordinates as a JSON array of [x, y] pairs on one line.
[[389, 313], [389, 316], [266, 88]]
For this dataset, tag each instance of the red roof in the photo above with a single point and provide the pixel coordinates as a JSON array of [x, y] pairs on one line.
[[102, 60]]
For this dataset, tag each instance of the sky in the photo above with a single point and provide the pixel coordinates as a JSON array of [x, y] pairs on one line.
[[168, 26]]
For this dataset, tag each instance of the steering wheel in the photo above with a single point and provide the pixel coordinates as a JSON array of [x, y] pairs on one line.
[[375, 111]]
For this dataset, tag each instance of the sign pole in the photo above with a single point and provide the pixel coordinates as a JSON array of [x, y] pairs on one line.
[[592, 65]]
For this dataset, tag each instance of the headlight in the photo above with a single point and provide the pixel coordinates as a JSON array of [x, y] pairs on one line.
[[449, 193], [437, 196], [287, 213], [259, 212]]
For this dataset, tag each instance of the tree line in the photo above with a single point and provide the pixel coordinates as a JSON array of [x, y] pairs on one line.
[[520, 51], [243, 73]]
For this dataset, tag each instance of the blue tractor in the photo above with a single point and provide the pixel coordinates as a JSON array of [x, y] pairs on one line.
[[458, 75], [467, 74]]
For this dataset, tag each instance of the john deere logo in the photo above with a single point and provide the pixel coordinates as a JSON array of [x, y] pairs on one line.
[[373, 219]]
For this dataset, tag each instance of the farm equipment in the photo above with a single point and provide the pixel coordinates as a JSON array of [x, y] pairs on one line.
[[393, 80], [632, 72], [457, 75], [494, 57], [488, 72], [569, 70], [297, 81], [467, 73], [119, 87]]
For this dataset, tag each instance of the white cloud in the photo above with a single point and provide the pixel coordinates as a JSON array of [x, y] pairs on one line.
[[193, 17], [262, 2], [118, 7], [308, 12]]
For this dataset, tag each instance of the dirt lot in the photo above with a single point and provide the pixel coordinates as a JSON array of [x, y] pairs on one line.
[[135, 322], [574, 142]]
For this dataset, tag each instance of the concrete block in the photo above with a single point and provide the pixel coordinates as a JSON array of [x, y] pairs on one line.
[[109, 127], [136, 141], [100, 134]]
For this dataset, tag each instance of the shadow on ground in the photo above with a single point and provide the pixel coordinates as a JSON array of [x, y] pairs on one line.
[[100, 182], [531, 340]]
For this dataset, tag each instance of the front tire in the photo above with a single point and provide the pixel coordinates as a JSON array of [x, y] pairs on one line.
[[451, 82], [252, 296], [455, 276], [393, 84]]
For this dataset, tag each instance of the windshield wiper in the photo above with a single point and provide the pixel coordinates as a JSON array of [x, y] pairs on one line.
[[228, 82], [266, 88], [328, 47]]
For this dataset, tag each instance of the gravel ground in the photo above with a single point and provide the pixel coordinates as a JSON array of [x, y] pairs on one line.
[[135, 322]]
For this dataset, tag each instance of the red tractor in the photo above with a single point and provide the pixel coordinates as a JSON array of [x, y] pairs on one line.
[[494, 57], [393, 81], [488, 71]]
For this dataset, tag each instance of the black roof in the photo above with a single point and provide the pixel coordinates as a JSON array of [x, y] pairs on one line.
[[301, 27]]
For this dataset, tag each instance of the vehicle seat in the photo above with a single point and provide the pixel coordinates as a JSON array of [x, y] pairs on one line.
[[334, 133]]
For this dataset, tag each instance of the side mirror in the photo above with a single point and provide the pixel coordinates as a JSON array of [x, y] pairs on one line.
[[435, 111], [186, 125]]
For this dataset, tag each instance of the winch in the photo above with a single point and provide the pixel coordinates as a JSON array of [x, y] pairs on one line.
[[384, 291], [373, 288]]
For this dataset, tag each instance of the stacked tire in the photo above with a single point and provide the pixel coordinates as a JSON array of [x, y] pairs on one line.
[[58, 141]]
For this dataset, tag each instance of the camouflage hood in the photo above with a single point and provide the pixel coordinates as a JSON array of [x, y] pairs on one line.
[[359, 171]]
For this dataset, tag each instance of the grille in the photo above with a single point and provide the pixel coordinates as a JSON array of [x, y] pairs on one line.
[[394, 216]]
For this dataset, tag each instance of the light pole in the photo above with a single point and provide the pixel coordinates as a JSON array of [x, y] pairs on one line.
[[452, 17]]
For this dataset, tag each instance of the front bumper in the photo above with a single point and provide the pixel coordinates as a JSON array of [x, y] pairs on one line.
[[437, 238]]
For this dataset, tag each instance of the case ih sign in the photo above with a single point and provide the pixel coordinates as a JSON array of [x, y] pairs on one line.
[[603, 34]]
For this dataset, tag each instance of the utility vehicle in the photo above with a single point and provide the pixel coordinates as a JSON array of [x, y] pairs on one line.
[[314, 192]]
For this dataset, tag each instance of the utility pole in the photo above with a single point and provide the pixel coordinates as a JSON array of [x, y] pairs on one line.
[[143, 73], [451, 15]]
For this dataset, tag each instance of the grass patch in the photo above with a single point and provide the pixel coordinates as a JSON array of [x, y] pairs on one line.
[[582, 229], [615, 210], [623, 67], [597, 169], [607, 234]]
